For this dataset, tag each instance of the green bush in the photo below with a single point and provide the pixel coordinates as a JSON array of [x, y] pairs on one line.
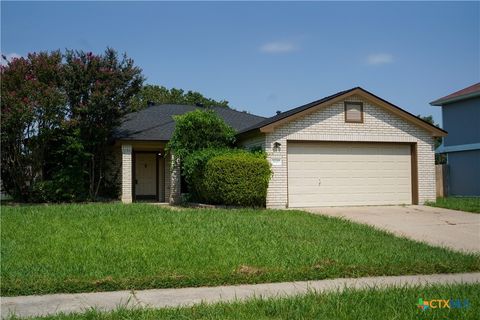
[[62, 188], [237, 178], [193, 169], [197, 130]]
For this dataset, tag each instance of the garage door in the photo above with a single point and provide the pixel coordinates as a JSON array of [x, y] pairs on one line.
[[345, 174]]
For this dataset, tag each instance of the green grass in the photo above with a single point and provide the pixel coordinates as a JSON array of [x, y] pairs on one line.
[[470, 204], [102, 247], [392, 303]]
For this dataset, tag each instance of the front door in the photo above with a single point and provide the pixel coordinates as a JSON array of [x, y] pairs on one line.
[[145, 175]]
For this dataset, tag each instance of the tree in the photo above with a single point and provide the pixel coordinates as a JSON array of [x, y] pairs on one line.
[[33, 107], [439, 158], [58, 115], [199, 129], [161, 95], [99, 89]]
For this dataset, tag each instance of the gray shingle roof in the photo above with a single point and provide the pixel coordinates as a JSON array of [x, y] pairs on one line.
[[293, 111], [156, 122]]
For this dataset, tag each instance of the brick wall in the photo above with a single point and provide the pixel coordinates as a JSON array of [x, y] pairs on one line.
[[127, 173], [328, 124], [175, 182], [124, 162]]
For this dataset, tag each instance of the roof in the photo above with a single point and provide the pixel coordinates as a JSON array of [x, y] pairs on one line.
[[293, 111], [157, 123], [466, 93], [284, 116]]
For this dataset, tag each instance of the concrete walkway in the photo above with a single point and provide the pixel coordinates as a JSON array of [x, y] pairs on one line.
[[160, 298], [454, 229]]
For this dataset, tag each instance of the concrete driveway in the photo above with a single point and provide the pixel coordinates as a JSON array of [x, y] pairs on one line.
[[440, 227]]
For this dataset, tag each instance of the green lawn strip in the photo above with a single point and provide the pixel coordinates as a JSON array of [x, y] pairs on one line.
[[104, 247], [391, 303], [470, 204]]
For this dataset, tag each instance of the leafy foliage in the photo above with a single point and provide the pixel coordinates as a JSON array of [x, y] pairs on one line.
[[239, 178], [201, 137], [161, 95], [58, 114], [98, 90], [197, 130], [33, 107], [193, 169]]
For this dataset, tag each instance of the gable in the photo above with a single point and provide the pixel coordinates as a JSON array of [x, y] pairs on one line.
[[271, 124], [329, 122]]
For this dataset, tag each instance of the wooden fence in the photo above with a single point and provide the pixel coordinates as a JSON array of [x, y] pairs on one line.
[[441, 176]]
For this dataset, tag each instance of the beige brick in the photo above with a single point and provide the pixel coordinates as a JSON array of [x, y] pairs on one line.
[[328, 124], [126, 173]]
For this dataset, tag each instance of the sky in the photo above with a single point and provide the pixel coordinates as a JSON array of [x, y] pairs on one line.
[[269, 56]]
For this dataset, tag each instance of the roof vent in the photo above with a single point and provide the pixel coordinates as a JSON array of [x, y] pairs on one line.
[[278, 112]]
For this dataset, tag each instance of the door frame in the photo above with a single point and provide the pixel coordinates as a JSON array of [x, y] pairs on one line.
[[134, 178], [413, 161]]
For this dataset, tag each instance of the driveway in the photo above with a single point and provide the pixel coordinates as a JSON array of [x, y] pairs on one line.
[[440, 227]]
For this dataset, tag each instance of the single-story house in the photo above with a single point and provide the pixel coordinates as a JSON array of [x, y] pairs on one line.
[[461, 118], [350, 148]]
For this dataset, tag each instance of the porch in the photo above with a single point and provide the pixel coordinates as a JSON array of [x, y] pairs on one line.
[[148, 173]]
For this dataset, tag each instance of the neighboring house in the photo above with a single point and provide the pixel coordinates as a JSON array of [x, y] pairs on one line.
[[351, 148], [461, 118]]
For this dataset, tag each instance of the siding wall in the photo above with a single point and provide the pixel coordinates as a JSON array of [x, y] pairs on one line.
[[328, 124], [464, 173], [462, 121]]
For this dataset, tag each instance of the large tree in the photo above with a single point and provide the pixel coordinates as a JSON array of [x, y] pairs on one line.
[[161, 95], [58, 114], [98, 89], [33, 107]]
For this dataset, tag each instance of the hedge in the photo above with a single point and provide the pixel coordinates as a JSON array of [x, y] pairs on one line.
[[238, 178], [193, 169]]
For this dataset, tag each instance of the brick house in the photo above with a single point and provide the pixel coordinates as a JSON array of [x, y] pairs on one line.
[[350, 148]]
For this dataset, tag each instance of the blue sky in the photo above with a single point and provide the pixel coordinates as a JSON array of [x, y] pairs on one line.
[[269, 56]]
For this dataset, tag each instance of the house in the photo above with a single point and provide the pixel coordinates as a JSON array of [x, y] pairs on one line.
[[147, 173], [350, 148], [461, 118]]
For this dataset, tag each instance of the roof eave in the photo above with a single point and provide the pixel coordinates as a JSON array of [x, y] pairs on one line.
[[440, 102], [435, 131]]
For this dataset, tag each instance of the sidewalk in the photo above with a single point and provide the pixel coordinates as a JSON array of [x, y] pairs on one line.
[[26, 306]]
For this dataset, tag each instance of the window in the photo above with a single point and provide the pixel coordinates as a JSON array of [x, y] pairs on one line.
[[354, 112]]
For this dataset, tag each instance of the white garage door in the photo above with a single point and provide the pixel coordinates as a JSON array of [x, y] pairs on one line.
[[346, 174]]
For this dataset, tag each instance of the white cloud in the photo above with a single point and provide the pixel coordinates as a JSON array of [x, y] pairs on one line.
[[9, 57], [278, 47], [376, 59]]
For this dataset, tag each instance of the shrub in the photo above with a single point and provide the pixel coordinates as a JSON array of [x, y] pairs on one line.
[[237, 178], [193, 169], [197, 130]]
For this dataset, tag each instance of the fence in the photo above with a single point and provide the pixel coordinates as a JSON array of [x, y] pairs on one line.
[[441, 171]]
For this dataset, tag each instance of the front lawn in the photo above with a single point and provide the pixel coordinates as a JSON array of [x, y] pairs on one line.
[[470, 204], [99, 247], [392, 303]]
